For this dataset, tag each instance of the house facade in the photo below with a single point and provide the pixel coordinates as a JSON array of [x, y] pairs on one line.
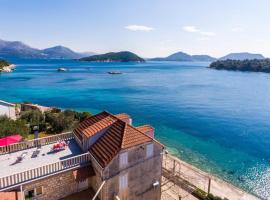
[[106, 155], [7, 109]]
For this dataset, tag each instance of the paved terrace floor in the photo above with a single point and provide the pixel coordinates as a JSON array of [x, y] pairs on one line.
[[9, 166]]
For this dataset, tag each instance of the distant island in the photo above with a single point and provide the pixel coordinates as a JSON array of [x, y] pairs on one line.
[[242, 56], [181, 56], [5, 66], [255, 65], [17, 49], [123, 56]]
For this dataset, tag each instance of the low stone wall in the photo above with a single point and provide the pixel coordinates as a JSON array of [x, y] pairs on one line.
[[55, 187]]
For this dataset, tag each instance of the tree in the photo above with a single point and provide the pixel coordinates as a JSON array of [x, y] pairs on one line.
[[81, 116], [11, 127], [60, 122], [34, 118]]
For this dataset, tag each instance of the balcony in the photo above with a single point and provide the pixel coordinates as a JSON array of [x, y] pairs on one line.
[[46, 163]]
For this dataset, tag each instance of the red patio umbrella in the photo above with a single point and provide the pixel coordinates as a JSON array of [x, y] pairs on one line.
[[10, 140]]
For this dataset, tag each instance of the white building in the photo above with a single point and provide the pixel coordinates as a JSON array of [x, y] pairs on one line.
[[7, 109]]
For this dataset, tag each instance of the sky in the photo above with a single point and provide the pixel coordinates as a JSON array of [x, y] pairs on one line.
[[150, 28]]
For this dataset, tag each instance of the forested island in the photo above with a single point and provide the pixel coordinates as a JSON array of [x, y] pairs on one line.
[[123, 56], [255, 65]]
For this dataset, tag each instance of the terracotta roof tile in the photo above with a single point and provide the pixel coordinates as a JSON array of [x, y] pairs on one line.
[[119, 135], [122, 116], [94, 124], [145, 128], [83, 173]]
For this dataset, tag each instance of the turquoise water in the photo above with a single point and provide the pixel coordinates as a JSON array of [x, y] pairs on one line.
[[215, 120]]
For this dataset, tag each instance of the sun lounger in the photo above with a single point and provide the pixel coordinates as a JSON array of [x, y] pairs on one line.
[[35, 153]]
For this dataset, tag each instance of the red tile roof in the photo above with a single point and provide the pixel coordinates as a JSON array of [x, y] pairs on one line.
[[94, 124], [122, 116], [118, 136], [83, 173], [145, 128], [13, 195]]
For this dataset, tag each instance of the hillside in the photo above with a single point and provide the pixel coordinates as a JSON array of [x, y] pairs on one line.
[[123, 56], [4, 63], [16, 49], [181, 56], [256, 65], [242, 56]]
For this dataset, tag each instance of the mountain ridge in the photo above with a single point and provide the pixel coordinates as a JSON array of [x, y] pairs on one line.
[[17, 49], [181, 56], [242, 56]]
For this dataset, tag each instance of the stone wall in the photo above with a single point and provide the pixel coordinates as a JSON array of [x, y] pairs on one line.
[[55, 187], [142, 173]]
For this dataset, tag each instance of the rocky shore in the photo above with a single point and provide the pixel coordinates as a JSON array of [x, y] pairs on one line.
[[8, 68]]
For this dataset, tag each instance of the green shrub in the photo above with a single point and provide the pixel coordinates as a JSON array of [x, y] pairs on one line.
[[11, 127]]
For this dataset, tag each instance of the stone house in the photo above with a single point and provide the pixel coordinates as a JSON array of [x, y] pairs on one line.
[[8, 109], [106, 155], [128, 160]]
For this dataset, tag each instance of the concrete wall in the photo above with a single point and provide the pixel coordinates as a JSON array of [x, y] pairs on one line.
[[142, 173], [8, 110], [56, 187]]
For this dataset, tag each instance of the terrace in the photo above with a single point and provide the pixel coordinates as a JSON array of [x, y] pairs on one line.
[[39, 160]]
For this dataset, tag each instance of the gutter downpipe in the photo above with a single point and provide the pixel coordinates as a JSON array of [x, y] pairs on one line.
[[99, 189], [22, 195]]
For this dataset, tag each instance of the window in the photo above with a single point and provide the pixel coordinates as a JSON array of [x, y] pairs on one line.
[[123, 182], [39, 191], [123, 159], [31, 194], [149, 150]]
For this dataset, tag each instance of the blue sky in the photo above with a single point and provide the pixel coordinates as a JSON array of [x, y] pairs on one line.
[[147, 27]]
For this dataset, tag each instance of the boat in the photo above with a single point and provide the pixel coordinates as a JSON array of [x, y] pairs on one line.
[[62, 69], [114, 72]]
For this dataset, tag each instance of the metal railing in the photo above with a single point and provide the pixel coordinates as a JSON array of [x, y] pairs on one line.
[[43, 171], [35, 143], [191, 178]]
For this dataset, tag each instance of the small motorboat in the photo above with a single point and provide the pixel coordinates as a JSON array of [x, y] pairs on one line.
[[114, 72], [62, 69]]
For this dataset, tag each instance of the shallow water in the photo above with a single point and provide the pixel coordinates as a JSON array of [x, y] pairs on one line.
[[216, 120]]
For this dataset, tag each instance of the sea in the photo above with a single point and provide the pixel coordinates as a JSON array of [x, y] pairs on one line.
[[218, 121]]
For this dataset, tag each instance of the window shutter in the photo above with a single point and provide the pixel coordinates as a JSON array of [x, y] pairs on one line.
[[149, 150], [123, 159]]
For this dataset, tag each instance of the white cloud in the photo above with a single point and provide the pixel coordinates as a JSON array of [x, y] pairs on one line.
[[237, 29], [191, 29], [207, 33], [203, 39], [139, 28], [194, 29]]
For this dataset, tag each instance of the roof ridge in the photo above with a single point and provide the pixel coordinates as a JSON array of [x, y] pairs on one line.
[[153, 139], [125, 128]]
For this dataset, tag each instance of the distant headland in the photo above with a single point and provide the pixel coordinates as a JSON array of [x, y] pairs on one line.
[[123, 56], [255, 65], [5, 66], [181, 56]]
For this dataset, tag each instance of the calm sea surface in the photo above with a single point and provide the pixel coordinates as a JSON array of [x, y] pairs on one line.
[[218, 121]]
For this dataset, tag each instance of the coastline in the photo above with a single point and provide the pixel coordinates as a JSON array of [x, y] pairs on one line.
[[8, 68], [181, 170]]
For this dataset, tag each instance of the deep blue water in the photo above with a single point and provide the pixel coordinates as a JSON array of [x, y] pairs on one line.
[[218, 121]]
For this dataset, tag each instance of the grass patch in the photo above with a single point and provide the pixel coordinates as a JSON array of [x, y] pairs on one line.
[[40, 135]]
